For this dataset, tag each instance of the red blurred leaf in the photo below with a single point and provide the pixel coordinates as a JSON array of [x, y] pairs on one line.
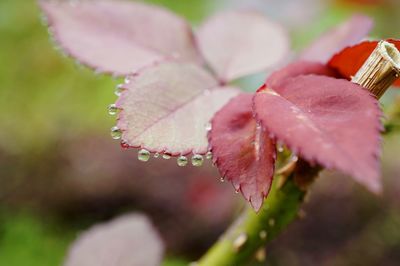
[[166, 108], [127, 240], [118, 37], [243, 153], [299, 68], [348, 61], [330, 121], [236, 44], [350, 32]]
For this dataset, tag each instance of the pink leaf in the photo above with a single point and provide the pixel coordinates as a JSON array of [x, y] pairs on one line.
[[329, 121], [118, 37], [243, 153], [166, 108], [348, 33], [236, 44], [127, 240], [299, 68]]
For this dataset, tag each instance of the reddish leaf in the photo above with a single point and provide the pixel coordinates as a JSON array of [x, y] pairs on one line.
[[329, 121], [299, 68], [118, 37], [350, 60], [166, 108], [243, 153], [127, 240], [236, 44], [348, 33]]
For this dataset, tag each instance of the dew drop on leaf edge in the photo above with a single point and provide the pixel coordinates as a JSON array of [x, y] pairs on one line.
[[112, 109], [166, 156], [143, 155], [182, 160], [116, 133], [197, 160]]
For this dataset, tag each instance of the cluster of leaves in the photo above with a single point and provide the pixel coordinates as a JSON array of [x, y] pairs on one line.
[[178, 80]]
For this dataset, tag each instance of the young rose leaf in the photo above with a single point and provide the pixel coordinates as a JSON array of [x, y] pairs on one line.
[[332, 122], [127, 240], [348, 61], [348, 33], [236, 44], [299, 68], [242, 151], [118, 37], [166, 108]]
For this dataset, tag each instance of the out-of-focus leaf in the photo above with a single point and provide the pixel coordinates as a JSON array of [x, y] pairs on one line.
[[242, 151], [166, 108], [127, 240], [348, 33], [327, 121], [348, 61], [236, 44], [118, 37], [299, 68]]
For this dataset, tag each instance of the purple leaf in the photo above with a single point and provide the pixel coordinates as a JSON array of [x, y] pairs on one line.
[[329, 121], [119, 37], [243, 153], [348, 33], [299, 68], [166, 108], [127, 240], [236, 44]]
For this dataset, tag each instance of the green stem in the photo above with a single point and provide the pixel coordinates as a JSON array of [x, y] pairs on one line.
[[252, 231]]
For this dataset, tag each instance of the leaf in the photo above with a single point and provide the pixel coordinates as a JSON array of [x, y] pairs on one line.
[[299, 68], [348, 61], [243, 153], [127, 240], [350, 32], [166, 108], [118, 37], [236, 44], [332, 122]]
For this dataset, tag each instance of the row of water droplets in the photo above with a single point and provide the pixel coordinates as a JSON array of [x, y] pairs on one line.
[[196, 160], [145, 155]]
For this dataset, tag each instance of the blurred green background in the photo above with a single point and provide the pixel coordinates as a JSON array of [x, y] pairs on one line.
[[60, 172]]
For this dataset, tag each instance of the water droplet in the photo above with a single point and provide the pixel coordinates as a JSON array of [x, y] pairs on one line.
[[237, 191], [209, 155], [156, 155], [112, 109], [279, 146], [294, 158], [118, 90], [182, 160], [166, 156], [116, 133], [222, 179], [271, 222], [143, 155], [263, 235], [44, 20], [208, 126], [240, 241], [261, 254], [197, 160]]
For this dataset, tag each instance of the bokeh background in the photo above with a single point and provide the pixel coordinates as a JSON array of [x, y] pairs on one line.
[[60, 171]]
